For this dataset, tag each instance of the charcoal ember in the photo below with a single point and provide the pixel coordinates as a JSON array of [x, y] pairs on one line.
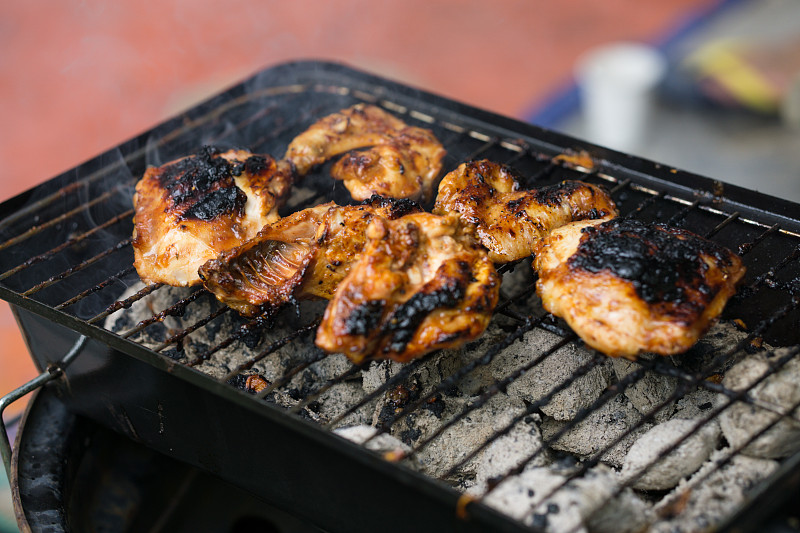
[[337, 400], [377, 373], [741, 421], [707, 498], [624, 512], [545, 498], [518, 495], [555, 369], [596, 433], [331, 367], [146, 308], [430, 371], [715, 348], [649, 391], [248, 344], [250, 382], [509, 452], [468, 433], [482, 375], [695, 404], [383, 443], [330, 386], [658, 468]]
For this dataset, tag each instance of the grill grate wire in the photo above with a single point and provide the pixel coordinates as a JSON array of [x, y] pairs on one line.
[[514, 151]]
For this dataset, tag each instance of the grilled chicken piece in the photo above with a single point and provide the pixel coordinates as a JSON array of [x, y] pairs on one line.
[[302, 256], [511, 223], [626, 287], [422, 284], [576, 159], [190, 210], [402, 161]]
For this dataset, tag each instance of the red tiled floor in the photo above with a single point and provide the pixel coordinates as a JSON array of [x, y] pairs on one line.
[[80, 77]]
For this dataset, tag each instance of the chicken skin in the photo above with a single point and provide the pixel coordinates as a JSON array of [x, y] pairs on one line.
[[626, 287], [400, 161], [422, 284], [302, 256], [188, 211], [509, 222]]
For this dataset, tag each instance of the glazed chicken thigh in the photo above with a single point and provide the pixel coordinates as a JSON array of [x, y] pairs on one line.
[[422, 284], [400, 161], [190, 210], [626, 287], [510, 222]]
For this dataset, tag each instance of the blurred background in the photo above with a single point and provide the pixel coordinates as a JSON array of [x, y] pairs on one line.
[[79, 77]]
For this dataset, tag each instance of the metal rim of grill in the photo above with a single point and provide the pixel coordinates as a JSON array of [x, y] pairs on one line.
[[30, 281]]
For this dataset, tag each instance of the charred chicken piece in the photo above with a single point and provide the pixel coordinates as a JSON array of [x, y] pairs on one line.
[[509, 222], [401, 161], [302, 256], [422, 284], [190, 210], [626, 287]]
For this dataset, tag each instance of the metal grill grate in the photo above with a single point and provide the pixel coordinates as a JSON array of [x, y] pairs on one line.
[[66, 255]]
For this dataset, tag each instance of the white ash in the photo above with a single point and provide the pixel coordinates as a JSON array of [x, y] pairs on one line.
[[625, 512], [483, 375], [596, 499], [778, 392], [377, 373], [545, 499], [454, 444], [383, 443], [695, 404], [598, 430], [648, 392], [553, 370], [712, 494], [509, 451], [658, 470], [519, 495]]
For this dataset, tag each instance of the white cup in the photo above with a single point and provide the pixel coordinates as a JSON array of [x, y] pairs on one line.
[[616, 84]]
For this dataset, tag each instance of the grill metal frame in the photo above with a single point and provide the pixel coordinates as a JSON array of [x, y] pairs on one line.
[[169, 405]]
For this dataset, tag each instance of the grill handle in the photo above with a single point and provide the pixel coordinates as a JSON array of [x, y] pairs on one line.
[[53, 371]]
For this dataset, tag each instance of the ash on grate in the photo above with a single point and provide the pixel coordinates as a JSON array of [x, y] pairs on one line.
[[237, 358], [540, 413]]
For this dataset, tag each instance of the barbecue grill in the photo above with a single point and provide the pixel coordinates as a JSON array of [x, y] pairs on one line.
[[66, 268]]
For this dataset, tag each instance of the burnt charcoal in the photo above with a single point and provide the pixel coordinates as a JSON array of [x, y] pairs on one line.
[[174, 353], [436, 406], [239, 381], [410, 436], [250, 336]]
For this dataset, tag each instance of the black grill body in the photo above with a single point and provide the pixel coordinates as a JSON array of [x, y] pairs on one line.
[[66, 259]]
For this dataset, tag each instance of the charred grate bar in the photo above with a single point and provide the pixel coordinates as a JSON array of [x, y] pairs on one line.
[[67, 257]]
